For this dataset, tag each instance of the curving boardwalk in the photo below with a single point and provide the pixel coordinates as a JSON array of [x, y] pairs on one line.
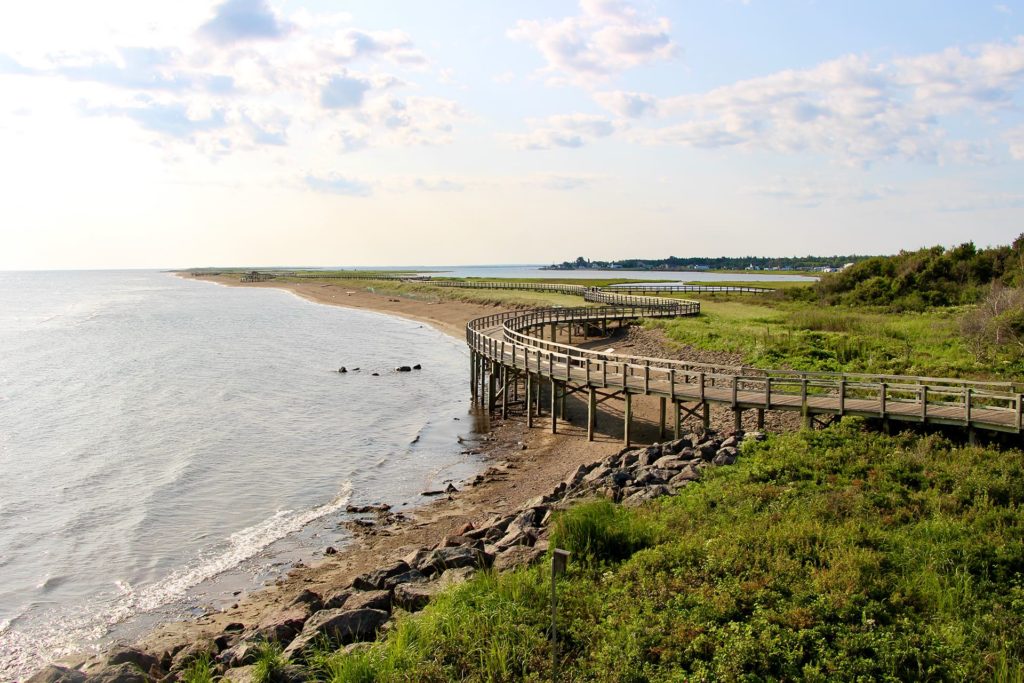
[[515, 354]]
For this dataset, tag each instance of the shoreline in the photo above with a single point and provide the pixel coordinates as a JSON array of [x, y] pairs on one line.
[[519, 464]]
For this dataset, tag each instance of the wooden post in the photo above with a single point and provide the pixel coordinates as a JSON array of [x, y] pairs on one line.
[[491, 390], [554, 406], [678, 426], [661, 418], [561, 402], [529, 400], [924, 403], [760, 419], [967, 406], [737, 419], [881, 401], [628, 420], [768, 393], [504, 392], [707, 415], [842, 397], [591, 413], [472, 375]]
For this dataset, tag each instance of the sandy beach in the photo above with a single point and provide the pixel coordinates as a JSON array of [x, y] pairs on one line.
[[520, 464]]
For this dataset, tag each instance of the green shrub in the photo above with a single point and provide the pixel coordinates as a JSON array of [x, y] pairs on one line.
[[600, 530]]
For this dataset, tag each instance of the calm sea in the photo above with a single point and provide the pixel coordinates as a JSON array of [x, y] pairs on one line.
[[166, 442]]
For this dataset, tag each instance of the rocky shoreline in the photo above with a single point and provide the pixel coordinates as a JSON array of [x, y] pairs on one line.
[[367, 606]]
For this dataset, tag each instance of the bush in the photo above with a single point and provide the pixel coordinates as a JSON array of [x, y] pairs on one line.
[[601, 531]]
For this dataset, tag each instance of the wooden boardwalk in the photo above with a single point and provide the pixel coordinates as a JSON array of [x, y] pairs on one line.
[[515, 353]]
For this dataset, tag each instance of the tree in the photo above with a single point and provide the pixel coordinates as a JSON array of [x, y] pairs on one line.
[[996, 325]]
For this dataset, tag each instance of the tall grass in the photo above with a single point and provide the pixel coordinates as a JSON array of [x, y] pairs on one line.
[[601, 531]]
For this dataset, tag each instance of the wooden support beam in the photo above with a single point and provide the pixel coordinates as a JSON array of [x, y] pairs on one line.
[[627, 421], [737, 419], [491, 389], [529, 400], [707, 415], [760, 419], [661, 417], [591, 413], [504, 392], [554, 406], [678, 426]]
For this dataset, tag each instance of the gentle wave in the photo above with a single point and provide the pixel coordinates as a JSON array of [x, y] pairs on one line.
[[31, 647]]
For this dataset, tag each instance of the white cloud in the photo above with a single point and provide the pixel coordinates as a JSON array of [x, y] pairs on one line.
[[240, 20], [606, 38], [343, 91], [811, 193], [570, 130], [562, 182], [851, 109], [337, 184]]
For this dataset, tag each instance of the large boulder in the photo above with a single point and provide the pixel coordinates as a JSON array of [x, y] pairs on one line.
[[282, 626], [369, 600], [453, 558], [411, 576], [123, 654], [120, 673], [57, 674], [340, 626], [517, 556], [375, 580]]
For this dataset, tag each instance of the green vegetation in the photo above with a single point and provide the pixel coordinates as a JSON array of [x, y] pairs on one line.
[[200, 670], [718, 263], [929, 277], [829, 555], [270, 663], [801, 336]]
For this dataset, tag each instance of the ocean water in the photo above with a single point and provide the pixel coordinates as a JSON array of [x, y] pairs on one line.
[[166, 442], [533, 271]]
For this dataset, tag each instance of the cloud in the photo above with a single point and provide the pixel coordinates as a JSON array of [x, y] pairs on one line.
[[562, 182], [1015, 139], [344, 92], [571, 130], [240, 20], [438, 185], [172, 119], [852, 109], [606, 38], [627, 104], [810, 193], [335, 184], [394, 46], [414, 120], [9, 65]]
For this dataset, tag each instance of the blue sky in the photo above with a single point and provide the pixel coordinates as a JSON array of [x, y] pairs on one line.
[[325, 133]]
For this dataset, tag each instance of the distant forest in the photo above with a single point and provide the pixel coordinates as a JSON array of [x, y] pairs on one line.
[[914, 280], [716, 263]]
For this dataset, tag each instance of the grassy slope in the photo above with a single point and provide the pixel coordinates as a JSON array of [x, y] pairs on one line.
[[804, 336], [831, 555]]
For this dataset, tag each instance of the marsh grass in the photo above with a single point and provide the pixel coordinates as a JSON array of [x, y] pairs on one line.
[[831, 555], [200, 670], [270, 663]]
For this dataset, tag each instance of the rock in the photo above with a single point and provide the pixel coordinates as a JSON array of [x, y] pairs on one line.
[[330, 550], [723, 458], [342, 369], [416, 557], [576, 477], [411, 576], [239, 655], [685, 476], [455, 577], [375, 579], [730, 441], [673, 447], [280, 627], [641, 497], [620, 477], [417, 367], [755, 436], [523, 521], [455, 541], [403, 368], [452, 558], [707, 450], [648, 455], [432, 493], [241, 674], [516, 556], [375, 374], [129, 655], [368, 600], [669, 462], [362, 509], [513, 538], [537, 503], [57, 674], [340, 626], [120, 673], [307, 597], [465, 529], [451, 489], [646, 478], [412, 597], [596, 474]]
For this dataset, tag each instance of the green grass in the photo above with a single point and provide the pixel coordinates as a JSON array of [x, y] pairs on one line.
[[200, 670], [830, 555], [803, 336], [269, 664], [600, 530]]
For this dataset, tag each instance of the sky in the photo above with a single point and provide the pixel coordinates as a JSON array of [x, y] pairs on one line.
[[319, 133]]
